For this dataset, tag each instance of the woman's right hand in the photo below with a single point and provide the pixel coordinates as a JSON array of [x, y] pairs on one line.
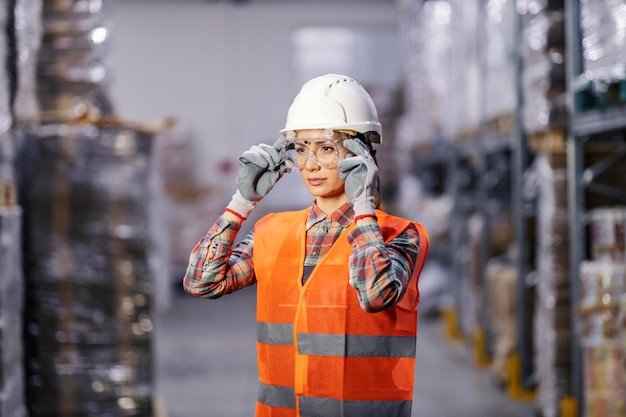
[[260, 168]]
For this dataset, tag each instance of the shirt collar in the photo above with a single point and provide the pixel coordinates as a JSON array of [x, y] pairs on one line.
[[343, 215]]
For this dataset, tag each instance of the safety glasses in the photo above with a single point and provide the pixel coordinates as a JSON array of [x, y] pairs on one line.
[[325, 151]]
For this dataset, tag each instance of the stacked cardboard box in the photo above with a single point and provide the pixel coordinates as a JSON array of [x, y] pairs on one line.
[[603, 330], [90, 283], [502, 278], [603, 284]]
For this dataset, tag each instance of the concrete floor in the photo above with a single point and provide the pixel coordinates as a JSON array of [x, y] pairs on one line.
[[206, 365]]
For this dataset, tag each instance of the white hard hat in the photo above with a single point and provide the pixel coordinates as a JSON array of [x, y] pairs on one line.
[[335, 102]]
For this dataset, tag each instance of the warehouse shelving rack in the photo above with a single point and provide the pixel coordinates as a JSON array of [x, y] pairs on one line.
[[463, 177], [584, 127], [480, 183], [513, 144], [494, 153], [474, 179]]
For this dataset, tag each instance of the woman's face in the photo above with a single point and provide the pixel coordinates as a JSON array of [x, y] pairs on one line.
[[320, 181]]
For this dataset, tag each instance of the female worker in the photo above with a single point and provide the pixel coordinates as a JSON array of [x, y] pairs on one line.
[[336, 282]]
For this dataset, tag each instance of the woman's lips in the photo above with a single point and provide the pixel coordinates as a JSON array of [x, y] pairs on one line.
[[315, 181]]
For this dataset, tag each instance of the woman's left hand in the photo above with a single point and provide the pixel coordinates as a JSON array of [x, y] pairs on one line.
[[360, 174]]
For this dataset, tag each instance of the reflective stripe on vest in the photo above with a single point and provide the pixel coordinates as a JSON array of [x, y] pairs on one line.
[[337, 344], [274, 333], [285, 397], [356, 345], [329, 407], [276, 396]]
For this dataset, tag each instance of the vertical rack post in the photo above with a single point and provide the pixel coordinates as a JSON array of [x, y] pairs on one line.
[[574, 68], [520, 214]]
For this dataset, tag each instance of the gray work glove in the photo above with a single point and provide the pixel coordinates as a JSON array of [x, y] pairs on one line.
[[361, 176], [260, 167]]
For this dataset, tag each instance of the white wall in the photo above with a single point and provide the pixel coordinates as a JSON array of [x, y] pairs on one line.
[[224, 71]]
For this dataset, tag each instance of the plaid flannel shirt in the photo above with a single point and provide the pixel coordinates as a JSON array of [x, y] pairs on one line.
[[379, 272]]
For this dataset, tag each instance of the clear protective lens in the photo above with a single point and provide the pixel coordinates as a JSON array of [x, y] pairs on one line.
[[296, 153], [324, 150]]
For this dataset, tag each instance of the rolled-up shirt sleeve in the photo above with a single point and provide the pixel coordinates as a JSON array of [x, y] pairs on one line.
[[381, 272], [216, 267]]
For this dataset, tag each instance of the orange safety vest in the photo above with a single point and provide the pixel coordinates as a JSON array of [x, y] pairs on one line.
[[319, 354]]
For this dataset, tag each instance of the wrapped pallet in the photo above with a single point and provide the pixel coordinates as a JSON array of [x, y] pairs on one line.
[[603, 80], [608, 233], [27, 32], [72, 79], [502, 277], [552, 321], [498, 57], [90, 279], [543, 66], [12, 401], [418, 127], [5, 74], [442, 74], [60, 48], [7, 148]]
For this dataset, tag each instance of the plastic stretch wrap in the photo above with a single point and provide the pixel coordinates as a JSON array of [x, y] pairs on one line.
[[418, 126], [443, 72], [499, 60], [7, 175], [28, 29], [71, 75], [5, 86], [603, 82], [12, 401], [460, 116], [552, 321], [452, 66], [90, 280], [543, 73], [608, 233]]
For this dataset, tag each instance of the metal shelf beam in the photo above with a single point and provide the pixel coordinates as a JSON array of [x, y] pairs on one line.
[[598, 121]]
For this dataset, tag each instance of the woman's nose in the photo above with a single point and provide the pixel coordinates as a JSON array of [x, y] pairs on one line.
[[310, 164]]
